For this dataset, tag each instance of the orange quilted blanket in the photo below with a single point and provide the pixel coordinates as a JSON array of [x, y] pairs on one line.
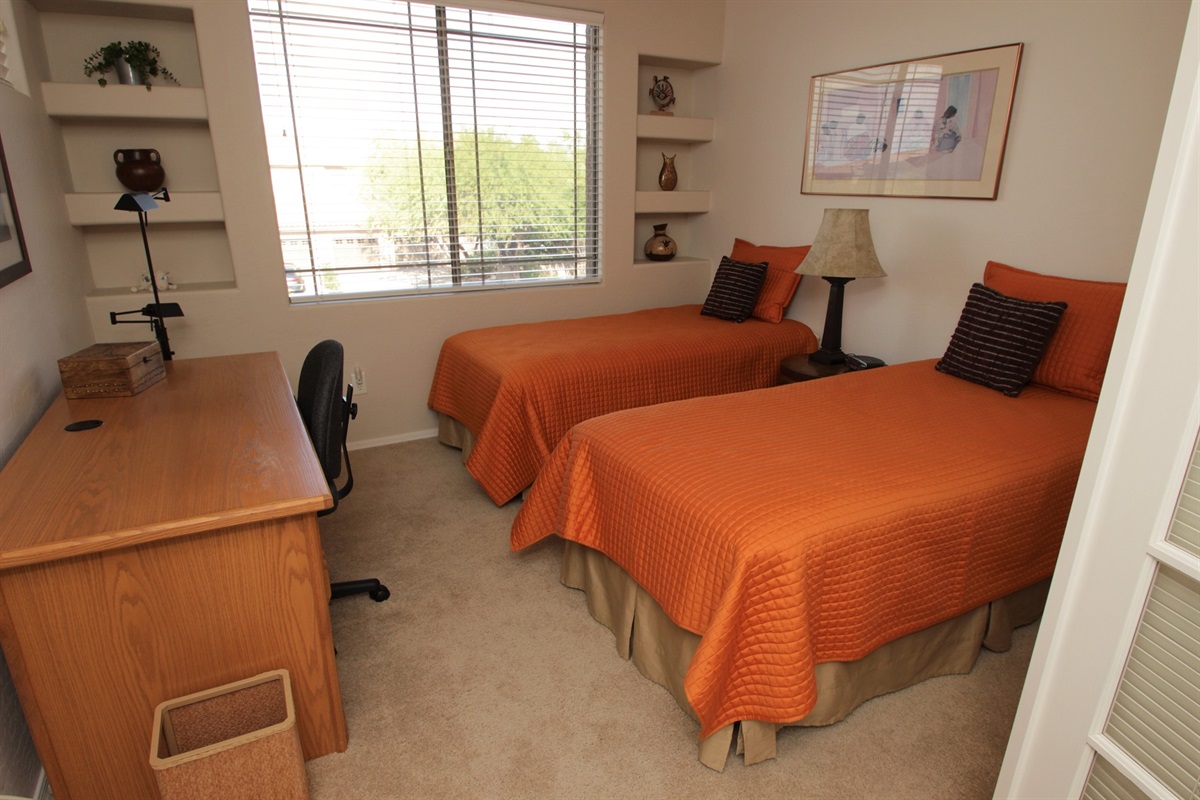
[[519, 388], [815, 522]]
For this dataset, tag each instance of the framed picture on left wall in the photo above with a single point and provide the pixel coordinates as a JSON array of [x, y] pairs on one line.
[[14, 258]]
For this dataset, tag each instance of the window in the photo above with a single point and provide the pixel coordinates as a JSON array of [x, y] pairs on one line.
[[12, 68], [419, 148]]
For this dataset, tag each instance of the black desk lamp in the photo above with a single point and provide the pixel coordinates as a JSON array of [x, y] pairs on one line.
[[842, 251], [158, 312]]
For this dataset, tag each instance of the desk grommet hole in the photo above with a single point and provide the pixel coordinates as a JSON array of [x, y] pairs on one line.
[[84, 425]]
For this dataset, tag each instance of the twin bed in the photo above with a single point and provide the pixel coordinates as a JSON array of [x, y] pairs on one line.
[[507, 395], [775, 557]]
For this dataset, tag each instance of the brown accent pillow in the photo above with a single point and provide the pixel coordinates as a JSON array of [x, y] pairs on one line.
[[734, 290], [1077, 355], [782, 278], [999, 339]]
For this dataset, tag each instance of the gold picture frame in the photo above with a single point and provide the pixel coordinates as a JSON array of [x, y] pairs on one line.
[[929, 127]]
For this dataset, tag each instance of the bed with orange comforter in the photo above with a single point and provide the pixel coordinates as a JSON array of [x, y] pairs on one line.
[[518, 388], [813, 523]]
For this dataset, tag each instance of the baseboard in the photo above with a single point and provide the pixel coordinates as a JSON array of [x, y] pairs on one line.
[[365, 444], [40, 792], [43, 788]]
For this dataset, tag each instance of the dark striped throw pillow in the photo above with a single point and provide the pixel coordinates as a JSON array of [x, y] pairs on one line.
[[1000, 339], [734, 291]]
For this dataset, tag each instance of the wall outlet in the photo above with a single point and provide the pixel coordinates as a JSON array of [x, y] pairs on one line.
[[359, 379]]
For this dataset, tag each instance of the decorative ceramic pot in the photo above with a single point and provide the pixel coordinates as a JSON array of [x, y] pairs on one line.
[[668, 179], [140, 170], [660, 247]]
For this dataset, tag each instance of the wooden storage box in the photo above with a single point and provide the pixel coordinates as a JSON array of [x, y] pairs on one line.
[[235, 742], [112, 370]]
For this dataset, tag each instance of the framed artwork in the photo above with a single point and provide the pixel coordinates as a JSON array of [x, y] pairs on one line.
[[14, 258], [930, 127]]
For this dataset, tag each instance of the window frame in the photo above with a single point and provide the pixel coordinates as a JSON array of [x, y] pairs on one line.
[[579, 260]]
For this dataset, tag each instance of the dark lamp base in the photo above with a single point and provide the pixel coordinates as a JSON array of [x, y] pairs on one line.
[[826, 356]]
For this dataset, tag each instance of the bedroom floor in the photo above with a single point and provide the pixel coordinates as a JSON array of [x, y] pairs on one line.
[[484, 677]]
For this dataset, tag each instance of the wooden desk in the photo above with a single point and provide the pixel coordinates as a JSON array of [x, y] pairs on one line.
[[172, 549]]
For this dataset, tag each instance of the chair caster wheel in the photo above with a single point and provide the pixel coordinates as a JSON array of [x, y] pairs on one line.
[[380, 594]]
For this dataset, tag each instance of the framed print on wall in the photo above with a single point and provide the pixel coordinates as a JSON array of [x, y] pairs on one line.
[[14, 259], [930, 127]]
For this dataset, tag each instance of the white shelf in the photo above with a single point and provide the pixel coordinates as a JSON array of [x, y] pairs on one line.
[[93, 101], [679, 261], [96, 208], [675, 63], [674, 129], [103, 296], [676, 202]]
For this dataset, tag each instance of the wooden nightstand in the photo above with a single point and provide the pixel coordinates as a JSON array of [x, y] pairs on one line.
[[794, 369]]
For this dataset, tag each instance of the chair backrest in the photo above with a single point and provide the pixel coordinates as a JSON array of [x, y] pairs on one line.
[[319, 397]]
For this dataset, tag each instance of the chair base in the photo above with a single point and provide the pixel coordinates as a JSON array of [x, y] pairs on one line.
[[369, 586]]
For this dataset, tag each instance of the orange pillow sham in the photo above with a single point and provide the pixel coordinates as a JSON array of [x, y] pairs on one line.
[[782, 278], [1075, 359]]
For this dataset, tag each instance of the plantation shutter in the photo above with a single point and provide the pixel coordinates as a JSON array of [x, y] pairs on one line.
[[1149, 746], [420, 148]]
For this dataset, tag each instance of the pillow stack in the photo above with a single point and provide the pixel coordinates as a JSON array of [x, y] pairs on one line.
[[730, 296], [735, 290], [1000, 339], [1022, 327]]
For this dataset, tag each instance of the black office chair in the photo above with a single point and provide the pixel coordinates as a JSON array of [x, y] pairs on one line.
[[327, 416]]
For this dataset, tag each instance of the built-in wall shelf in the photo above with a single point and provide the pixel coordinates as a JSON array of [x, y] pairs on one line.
[[164, 295], [93, 101], [187, 235], [674, 129], [684, 136], [676, 202], [679, 261], [96, 208]]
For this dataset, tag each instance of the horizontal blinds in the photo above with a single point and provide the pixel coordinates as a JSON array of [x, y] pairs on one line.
[[1185, 527], [3, 52], [1155, 717], [416, 147], [1106, 783]]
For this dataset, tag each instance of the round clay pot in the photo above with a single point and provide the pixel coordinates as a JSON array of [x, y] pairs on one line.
[[660, 247], [140, 170]]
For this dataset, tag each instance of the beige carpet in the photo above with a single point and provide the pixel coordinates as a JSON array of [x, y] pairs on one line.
[[484, 677]]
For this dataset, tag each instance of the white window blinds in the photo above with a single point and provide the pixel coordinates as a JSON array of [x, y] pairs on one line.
[[420, 148], [3, 51], [12, 68]]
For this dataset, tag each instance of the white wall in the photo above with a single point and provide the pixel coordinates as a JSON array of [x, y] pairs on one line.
[[42, 318], [1090, 101]]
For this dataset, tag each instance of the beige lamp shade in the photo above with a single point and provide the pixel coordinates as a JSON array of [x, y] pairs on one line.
[[843, 247]]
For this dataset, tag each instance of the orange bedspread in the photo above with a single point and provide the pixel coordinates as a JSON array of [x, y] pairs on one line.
[[519, 388], [815, 522]]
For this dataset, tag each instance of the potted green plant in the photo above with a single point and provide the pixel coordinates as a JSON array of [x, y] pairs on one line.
[[134, 62]]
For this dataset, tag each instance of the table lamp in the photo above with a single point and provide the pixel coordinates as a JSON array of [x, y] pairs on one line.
[[158, 312], [842, 251]]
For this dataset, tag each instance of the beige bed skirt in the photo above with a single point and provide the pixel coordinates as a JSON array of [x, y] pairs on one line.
[[454, 433], [662, 651]]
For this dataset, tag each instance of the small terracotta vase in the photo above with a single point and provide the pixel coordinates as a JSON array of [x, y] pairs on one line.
[[660, 247], [668, 179], [140, 170]]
